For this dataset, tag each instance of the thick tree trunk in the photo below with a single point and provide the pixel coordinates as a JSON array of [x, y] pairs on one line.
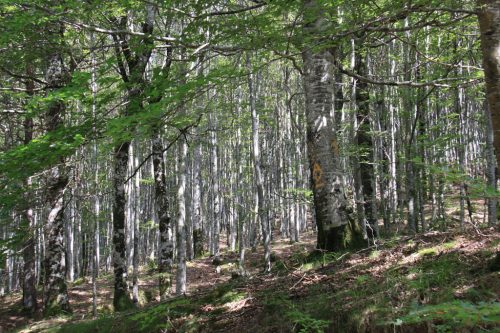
[[489, 24], [134, 80], [56, 294], [336, 229]]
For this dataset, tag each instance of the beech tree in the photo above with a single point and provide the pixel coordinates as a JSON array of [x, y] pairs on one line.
[[332, 211]]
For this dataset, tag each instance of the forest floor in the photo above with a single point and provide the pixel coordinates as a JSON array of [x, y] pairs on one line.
[[437, 281]]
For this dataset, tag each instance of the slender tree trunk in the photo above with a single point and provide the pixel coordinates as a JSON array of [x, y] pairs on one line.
[[198, 238], [165, 246], [70, 242], [180, 286], [261, 209], [30, 304], [135, 224], [197, 219], [216, 200], [97, 194], [95, 269], [121, 299]]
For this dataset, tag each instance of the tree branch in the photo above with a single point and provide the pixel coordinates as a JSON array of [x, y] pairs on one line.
[[435, 83]]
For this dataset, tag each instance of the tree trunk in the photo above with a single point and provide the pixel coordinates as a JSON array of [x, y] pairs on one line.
[[336, 229], [135, 86], [165, 246], [180, 286], [29, 270], [135, 224], [56, 294], [30, 304], [261, 209], [365, 149], [216, 197], [121, 299], [490, 170], [489, 24]]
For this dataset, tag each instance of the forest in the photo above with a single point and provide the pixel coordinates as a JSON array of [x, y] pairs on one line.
[[249, 166]]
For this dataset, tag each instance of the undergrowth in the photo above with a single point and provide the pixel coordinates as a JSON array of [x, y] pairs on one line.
[[408, 286], [180, 314], [455, 315]]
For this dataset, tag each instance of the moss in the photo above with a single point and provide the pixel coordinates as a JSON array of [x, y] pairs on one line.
[[443, 272], [428, 252], [349, 236], [309, 314], [55, 309], [78, 282], [198, 239], [223, 294], [361, 279], [105, 310], [154, 319], [315, 259], [449, 245], [353, 237], [103, 324], [280, 268], [374, 254], [145, 297], [227, 268], [123, 303]]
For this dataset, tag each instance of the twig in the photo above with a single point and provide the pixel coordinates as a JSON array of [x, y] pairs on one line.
[[300, 280]]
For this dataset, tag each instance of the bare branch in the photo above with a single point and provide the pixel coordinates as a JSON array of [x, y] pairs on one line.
[[435, 83], [19, 89]]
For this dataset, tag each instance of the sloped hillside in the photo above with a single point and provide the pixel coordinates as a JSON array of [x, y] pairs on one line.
[[436, 282]]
